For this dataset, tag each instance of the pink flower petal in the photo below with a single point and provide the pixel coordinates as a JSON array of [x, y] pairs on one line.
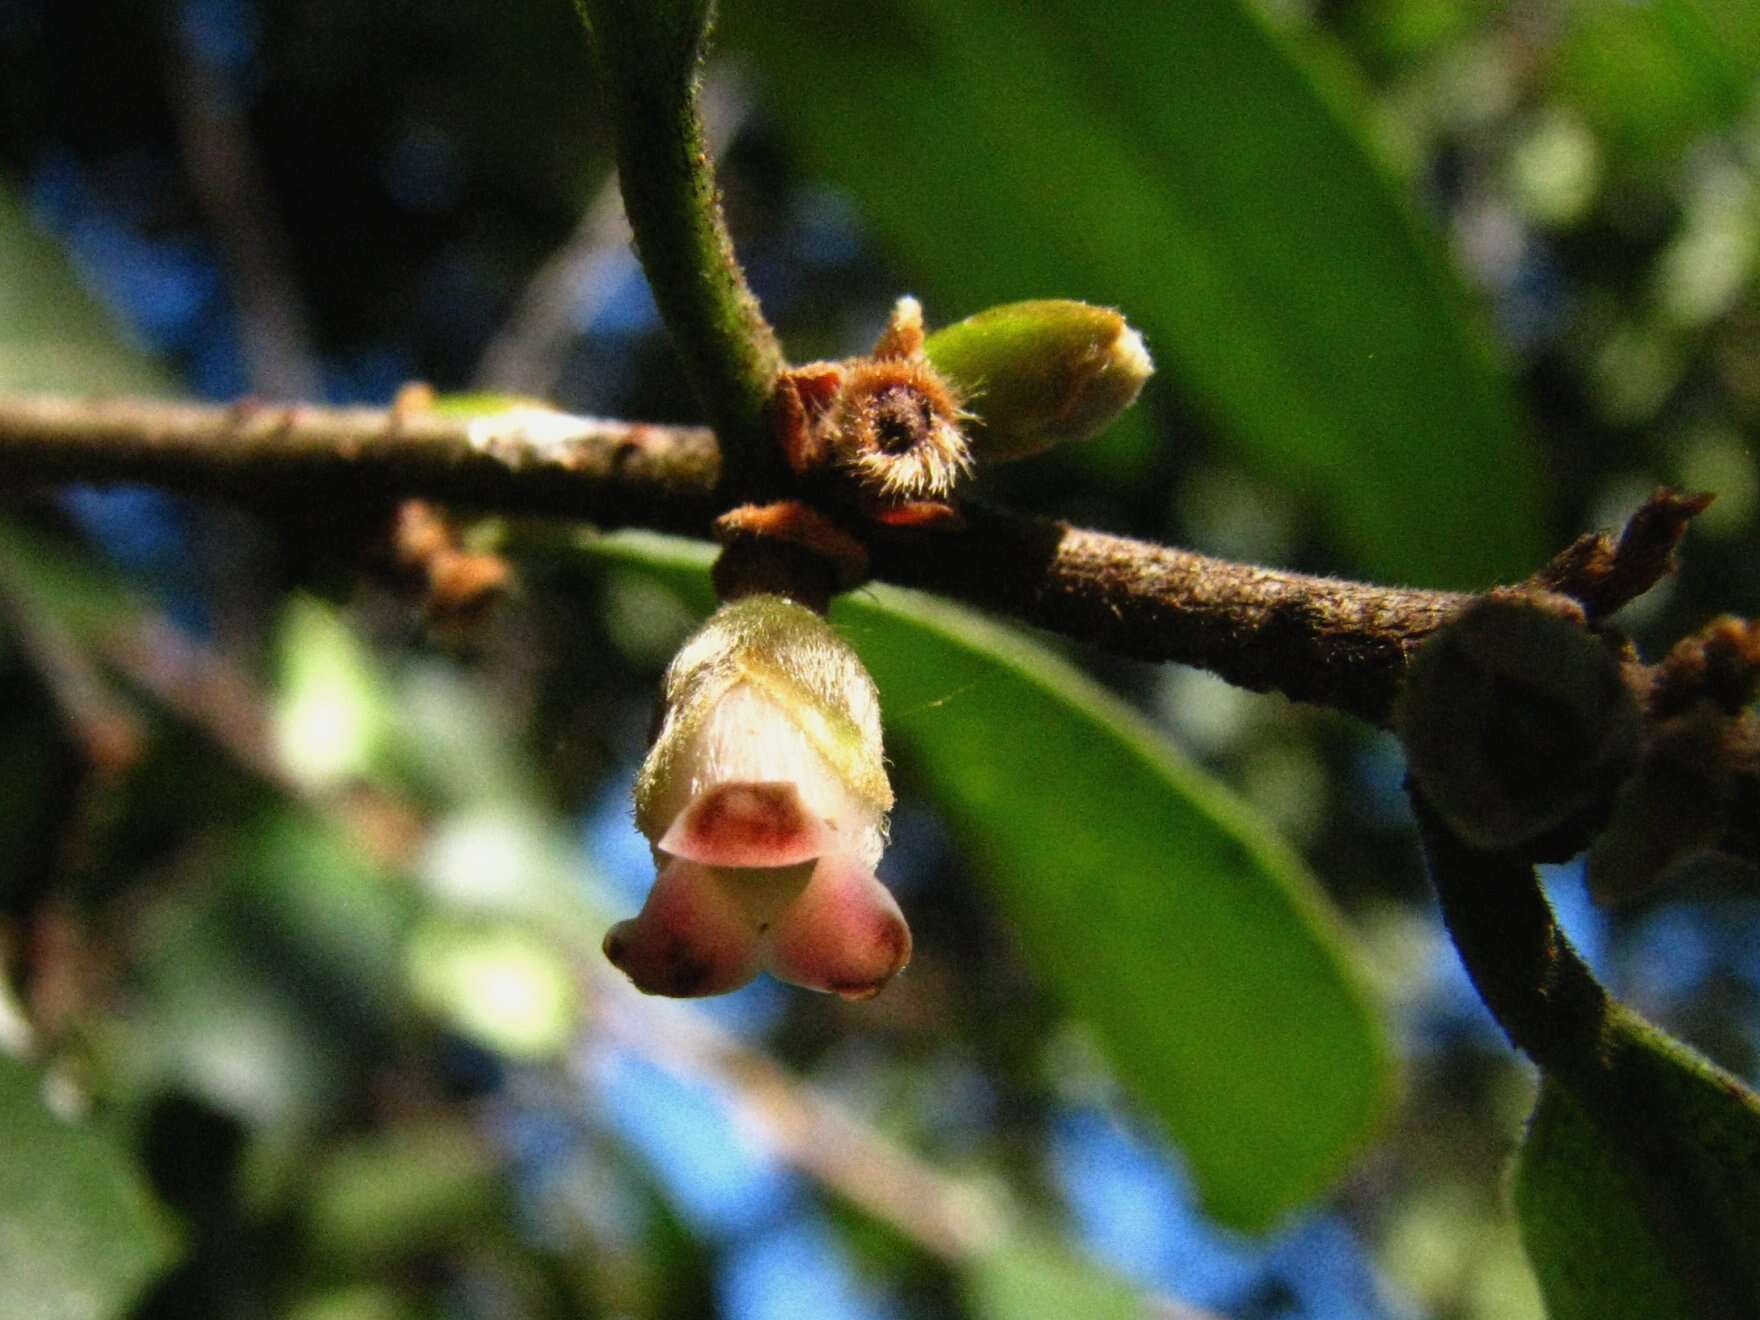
[[692, 937], [746, 824], [844, 933]]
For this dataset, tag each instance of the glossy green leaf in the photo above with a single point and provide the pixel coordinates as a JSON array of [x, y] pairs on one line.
[[1656, 1219], [53, 336], [79, 1234], [1182, 163], [1159, 909], [1030, 1275]]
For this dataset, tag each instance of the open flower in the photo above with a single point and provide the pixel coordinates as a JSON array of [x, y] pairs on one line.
[[765, 798]]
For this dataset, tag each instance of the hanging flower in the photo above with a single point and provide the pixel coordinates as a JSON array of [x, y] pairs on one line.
[[764, 797]]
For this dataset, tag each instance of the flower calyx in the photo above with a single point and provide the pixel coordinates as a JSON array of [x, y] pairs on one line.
[[1519, 724], [764, 798], [882, 443], [1694, 800], [886, 428]]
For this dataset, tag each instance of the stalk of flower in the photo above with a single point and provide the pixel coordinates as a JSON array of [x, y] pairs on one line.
[[764, 798]]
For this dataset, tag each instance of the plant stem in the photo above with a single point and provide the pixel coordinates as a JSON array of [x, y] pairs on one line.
[[648, 53], [1620, 1069], [526, 461], [1321, 640]]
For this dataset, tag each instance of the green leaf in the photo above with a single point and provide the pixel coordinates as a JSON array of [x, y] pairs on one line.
[[53, 336], [1653, 76], [331, 711], [1031, 1275], [1158, 908], [1653, 1215], [79, 1234], [1181, 163], [404, 1192]]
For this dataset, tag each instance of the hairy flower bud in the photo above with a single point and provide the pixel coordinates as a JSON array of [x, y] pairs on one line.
[[1040, 373], [765, 798]]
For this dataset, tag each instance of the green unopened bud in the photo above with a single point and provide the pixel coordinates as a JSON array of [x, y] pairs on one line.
[[1516, 721], [1039, 373]]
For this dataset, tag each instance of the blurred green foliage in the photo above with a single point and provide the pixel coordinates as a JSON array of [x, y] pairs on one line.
[[1432, 287], [79, 1235]]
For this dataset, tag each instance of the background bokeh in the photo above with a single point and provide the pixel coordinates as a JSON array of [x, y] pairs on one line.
[[312, 950]]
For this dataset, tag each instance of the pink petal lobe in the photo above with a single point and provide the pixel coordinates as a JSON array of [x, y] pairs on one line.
[[746, 824], [691, 937], [844, 933]]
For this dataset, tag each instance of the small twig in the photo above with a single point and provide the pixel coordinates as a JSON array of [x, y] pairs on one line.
[[97, 717], [1554, 1010], [1604, 573], [233, 190], [1321, 640], [946, 1216], [528, 461]]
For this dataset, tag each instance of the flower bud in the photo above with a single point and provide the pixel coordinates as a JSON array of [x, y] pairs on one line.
[[1516, 720], [1040, 373], [764, 797], [1680, 803]]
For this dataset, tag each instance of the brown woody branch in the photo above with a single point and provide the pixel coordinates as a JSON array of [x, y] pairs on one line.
[[1333, 643], [300, 456]]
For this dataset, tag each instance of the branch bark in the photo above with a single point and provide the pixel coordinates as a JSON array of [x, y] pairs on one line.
[[528, 461], [1333, 643]]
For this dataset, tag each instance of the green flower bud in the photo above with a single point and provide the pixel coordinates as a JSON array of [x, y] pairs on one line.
[[1039, 373]]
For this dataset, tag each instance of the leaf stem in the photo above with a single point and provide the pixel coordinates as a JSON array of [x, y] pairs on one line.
[[648, 55], [1625, 1073]]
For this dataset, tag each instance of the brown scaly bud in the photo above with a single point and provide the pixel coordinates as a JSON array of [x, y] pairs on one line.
[[1677, 805], [889, 424], [1517, 721], [462, 585], [1694, 795], [1720, 664]]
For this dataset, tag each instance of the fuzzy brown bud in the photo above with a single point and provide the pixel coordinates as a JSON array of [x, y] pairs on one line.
[[1675, 806]]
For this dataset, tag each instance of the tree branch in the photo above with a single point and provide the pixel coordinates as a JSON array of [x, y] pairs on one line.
[[526, 461], [1333, 643]]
